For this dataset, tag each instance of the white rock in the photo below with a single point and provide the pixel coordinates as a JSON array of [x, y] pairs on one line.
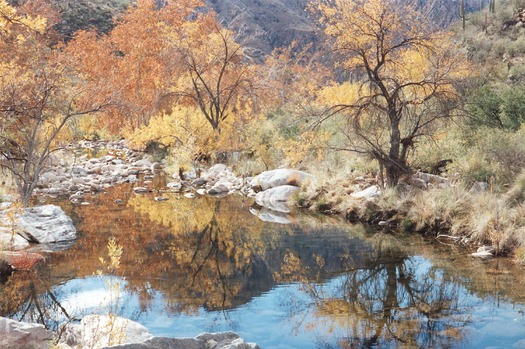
[[96, 331], [218, 168], [279, 177], [140, 190], [44, 224], [15, 335], [368, 193]]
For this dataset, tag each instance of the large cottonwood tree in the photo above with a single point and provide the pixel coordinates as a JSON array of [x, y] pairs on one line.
[[403, 78]]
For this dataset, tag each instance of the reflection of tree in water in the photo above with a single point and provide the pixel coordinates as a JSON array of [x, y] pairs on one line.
[[393, 301], [216, 262], [27, 297]]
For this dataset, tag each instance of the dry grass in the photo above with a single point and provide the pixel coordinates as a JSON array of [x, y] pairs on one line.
[[477, 218]]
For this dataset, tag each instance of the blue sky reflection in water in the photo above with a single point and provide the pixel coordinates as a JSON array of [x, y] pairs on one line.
[[287, 317], [316, 283]]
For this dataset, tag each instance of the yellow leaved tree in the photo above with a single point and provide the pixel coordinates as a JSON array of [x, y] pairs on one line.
[[403, 77]]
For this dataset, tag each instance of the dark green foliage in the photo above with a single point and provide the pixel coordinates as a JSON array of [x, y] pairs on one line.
[[484, 108], [497, 107]]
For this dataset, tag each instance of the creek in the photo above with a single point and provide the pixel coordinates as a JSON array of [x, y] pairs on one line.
[[209, 264]]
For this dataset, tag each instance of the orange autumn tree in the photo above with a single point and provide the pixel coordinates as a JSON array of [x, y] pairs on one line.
[[403, 78], [132, 60], [166, 62], [38, 96]]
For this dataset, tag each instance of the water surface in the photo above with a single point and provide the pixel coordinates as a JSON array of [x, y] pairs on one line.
[[207, 264]]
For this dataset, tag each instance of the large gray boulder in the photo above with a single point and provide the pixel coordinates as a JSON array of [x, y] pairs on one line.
[[97, 331], [224, 340], [16, 335], [277, 198], [43, 224], [279, 177]]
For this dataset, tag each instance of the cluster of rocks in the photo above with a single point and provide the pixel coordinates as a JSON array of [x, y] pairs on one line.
[[274, 188], [85, 174], [219, 180], [100, 331]]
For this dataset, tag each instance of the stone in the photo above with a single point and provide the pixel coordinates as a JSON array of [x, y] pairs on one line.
[[189, 195], [160, 198], [482, 255], [218, 168], [279, 177], [224, 340], [201, 191], [96, 331], [16, 335], [431, 178], [220, 188], [418, 183], [44, 224], [277, 198], [368, 193], [199, 182], [174, 185], [142, 163], [140, 190], [479, 187]]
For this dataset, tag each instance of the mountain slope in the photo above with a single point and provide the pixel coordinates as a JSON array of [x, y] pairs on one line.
[[262, 24]]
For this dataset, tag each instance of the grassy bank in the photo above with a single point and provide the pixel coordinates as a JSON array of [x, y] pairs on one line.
[[464, 216]]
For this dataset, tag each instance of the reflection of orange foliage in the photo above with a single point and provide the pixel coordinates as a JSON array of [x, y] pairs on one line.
[[197, 252]]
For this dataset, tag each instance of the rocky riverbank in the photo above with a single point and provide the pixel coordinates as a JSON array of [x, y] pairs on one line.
[[100, 331]]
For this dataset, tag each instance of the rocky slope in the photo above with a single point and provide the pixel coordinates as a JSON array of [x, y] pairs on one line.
[[262, 24]]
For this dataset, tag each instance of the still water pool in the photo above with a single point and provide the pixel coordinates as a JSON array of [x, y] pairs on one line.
[[206, 265]]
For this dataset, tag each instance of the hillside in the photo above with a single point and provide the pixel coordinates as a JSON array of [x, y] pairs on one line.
[[262, 24]]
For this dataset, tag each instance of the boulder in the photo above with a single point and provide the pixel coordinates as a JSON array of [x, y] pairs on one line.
[[96, 331], [276, 198], [224, 340], [44, 224], [368, 193], [279, 177], [15, 335], [431, 178], [218, 168], [220, 188]]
